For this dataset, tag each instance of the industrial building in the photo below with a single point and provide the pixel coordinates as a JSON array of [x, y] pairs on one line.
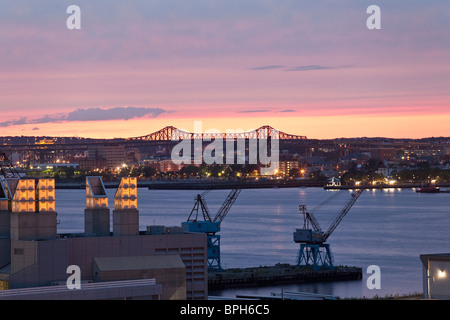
[[125, 263]]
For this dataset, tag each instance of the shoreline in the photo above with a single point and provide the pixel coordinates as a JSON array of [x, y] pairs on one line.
[[199, 185], [206, 184]]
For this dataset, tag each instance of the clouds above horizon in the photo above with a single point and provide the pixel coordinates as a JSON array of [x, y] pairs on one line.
[[90, 114], [137, 31], [265, 111], [300, 68], [267, 68], [222, 59]]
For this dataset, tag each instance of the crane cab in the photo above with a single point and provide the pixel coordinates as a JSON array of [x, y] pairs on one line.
[[308, 236], [201, 226]]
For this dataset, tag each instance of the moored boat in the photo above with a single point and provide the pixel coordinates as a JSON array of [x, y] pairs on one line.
[[428, 189]]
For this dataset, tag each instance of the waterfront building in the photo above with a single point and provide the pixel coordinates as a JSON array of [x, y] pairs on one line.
[[164, 165], [104, 156], [285, 167]]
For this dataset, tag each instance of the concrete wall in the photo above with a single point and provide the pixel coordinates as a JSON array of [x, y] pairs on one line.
[[172, 280], [5, 242], [439, 279], [38, 263], [97, 222], [5, 252], [33, 226], [117, 290], [125, 222], [5, 224], [190, 247]]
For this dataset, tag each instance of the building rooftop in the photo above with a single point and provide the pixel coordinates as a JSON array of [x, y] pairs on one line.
[[435, 256], [138, 262]]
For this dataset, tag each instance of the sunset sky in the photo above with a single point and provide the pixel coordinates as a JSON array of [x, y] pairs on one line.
[[305, 67]]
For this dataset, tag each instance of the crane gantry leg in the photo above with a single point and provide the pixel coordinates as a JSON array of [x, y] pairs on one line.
[[317, 255], [213, 246]]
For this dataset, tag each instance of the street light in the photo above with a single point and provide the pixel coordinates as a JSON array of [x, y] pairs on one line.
[[441, 274]]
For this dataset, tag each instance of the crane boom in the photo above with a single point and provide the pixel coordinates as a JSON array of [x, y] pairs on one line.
[[200, 204], [7, 169], [350, 203], [232, 196], [354, 196], [342, 214], [226, 206], [309, 218], [313, 249]]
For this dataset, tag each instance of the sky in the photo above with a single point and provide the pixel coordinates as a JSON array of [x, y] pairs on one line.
[[310, 68]]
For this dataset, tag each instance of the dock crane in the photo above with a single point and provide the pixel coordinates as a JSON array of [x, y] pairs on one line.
[[7, 169], [7, 172], [209, 225], [313, 249]]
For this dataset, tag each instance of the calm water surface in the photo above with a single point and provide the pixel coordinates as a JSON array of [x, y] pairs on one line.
[[388, 228]]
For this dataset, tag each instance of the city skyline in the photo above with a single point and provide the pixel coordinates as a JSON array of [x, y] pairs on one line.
[[307, 69]]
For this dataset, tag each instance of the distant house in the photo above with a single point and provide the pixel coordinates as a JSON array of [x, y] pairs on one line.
[[385, 171], [334, 182]]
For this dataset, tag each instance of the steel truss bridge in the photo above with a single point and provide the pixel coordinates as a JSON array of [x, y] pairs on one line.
[[165, 136], [170, 133]]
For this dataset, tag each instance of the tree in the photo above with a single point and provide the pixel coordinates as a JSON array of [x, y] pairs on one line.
[[317, 176], [190, 170], [69, 171], [149, 172], [371, 164], [295, 172]]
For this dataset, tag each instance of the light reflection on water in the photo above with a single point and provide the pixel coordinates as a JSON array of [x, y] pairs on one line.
[[389, 228]]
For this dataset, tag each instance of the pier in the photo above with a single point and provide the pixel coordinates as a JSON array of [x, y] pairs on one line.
[[278, 274]]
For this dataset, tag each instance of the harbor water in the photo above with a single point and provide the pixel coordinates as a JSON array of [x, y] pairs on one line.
[[389, 228]]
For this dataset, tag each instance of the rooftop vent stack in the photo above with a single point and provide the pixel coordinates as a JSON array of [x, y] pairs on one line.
[[126, 214], [45, 195], [33, 215], [96, 214], [24, 196]]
